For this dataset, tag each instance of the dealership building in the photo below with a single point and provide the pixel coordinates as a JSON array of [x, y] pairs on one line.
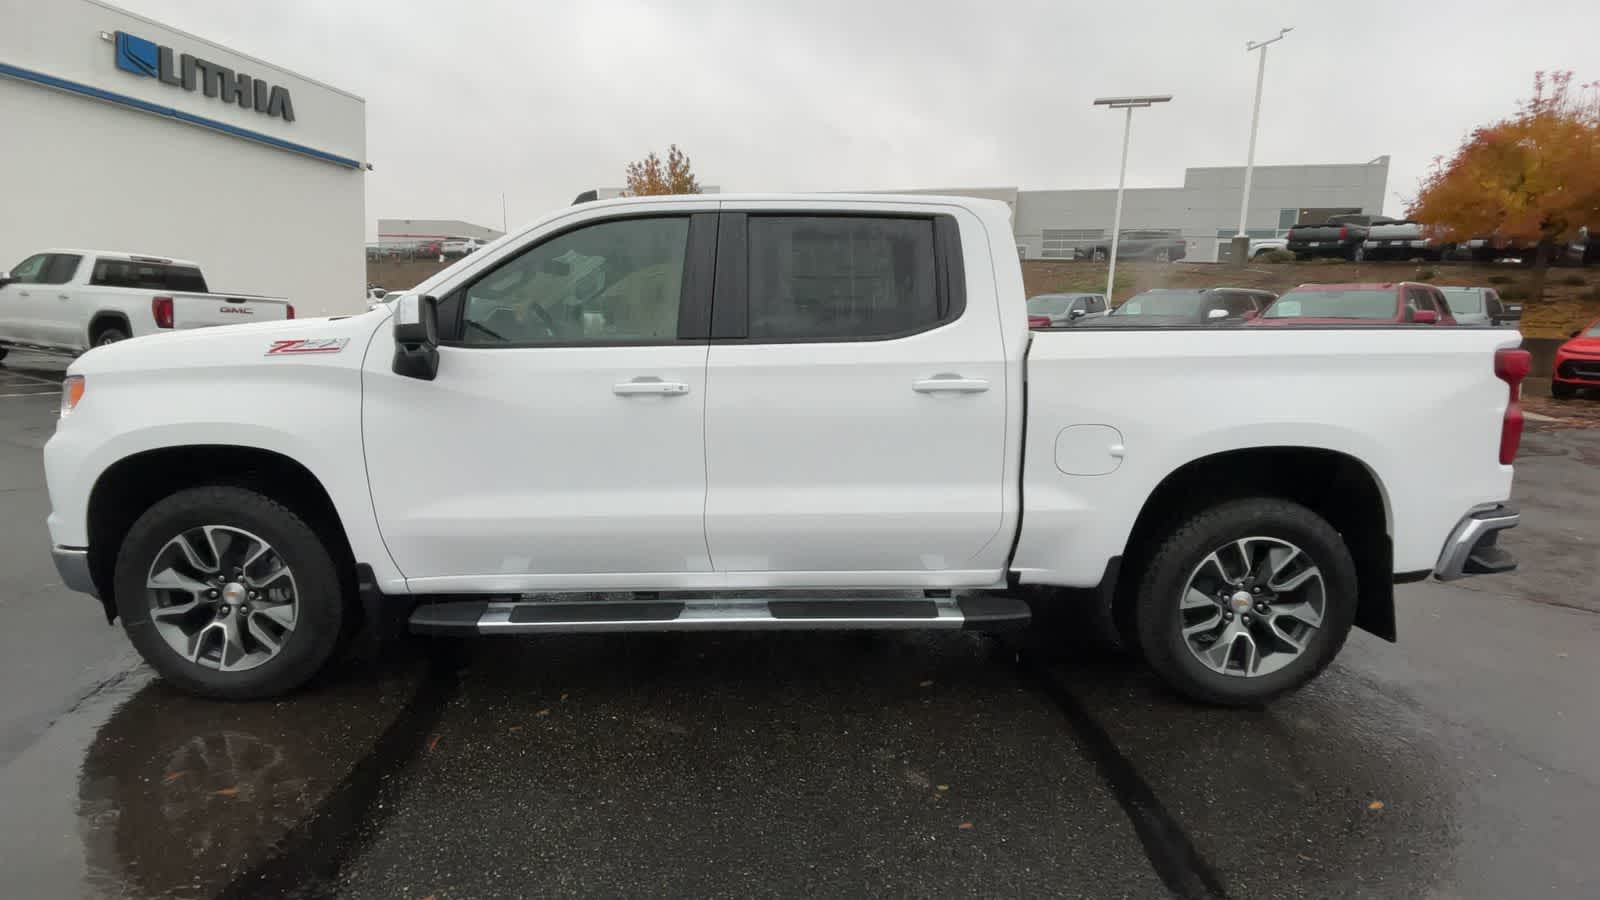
[[412, 232], [1204, 211], [121, 133]]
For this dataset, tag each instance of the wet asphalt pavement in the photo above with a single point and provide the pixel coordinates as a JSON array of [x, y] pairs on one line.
[[1459, 763]]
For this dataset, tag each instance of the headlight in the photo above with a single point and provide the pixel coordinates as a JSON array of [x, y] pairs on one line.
[[71, 392]]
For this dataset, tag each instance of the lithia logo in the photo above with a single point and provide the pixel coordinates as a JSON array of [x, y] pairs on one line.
[[151, 60]]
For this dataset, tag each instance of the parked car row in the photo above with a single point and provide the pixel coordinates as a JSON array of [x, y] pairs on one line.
[[454, 248], [1366, 237]]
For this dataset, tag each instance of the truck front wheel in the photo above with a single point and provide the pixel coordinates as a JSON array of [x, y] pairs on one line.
[[228, 593], [1246, 600]]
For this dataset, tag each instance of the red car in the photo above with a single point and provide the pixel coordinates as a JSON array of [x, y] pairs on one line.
[[1577, 362], [1405, 302]]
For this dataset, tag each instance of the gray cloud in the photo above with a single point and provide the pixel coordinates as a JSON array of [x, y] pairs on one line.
[[543, 100]]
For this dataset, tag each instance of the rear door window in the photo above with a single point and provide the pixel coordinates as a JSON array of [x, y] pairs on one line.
[[843, 278], [61, 268], [1419, 299]]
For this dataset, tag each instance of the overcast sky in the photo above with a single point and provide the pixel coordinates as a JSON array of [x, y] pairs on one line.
[[466, 100]]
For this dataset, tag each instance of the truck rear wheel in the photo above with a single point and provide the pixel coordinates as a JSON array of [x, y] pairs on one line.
[[1246, 601], [228, 594]]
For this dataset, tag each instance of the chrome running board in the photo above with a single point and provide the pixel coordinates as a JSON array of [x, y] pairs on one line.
[[486, 617]]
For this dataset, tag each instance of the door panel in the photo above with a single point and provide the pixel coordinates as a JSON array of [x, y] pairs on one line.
[[562, 442], [873, 454]]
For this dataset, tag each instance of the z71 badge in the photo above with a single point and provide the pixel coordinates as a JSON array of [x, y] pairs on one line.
[[307, 345]]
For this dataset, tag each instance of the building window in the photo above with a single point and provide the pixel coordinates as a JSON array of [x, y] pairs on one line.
[[1287, 218], [1062, 243]]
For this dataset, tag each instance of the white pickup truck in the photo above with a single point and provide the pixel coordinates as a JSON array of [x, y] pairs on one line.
[[709, 407], [66, 301]]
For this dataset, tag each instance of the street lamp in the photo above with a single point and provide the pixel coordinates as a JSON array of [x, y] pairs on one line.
[[1241, 241], [1130, 104]]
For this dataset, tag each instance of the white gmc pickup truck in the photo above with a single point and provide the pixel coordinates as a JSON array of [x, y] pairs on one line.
[[66, 301], [709, 407]]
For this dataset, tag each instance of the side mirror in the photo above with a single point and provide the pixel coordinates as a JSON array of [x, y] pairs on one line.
[[5, 279], [1077, 313], [1425, 317], [416, 337], [1216, 314]]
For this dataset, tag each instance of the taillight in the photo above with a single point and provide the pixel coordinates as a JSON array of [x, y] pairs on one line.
[[1511, 366], [1038, 321], [291, 311], [1344, 233], [161, 311]]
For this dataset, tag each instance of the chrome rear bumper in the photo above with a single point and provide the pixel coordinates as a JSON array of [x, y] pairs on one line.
[[1473, 547]]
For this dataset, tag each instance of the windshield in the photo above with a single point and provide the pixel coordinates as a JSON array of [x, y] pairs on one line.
[[1049, 305], [1333, 305], [1163, 303], [1464, 300]]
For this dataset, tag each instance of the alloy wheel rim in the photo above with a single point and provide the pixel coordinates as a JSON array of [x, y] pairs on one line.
[[1252, 606], [222, 598]]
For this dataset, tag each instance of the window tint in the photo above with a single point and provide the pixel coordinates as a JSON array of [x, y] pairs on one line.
[[1467, 300], [824, 278], [129, 273], [610, 282], [31, 270], [61, 268], [1097, 304]]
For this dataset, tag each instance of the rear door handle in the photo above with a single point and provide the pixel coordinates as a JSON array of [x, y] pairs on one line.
[[946, 382], [649, 384], [63, 296]]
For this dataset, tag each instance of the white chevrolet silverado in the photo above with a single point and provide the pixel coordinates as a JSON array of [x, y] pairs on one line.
[[773, 412], [66, 301]]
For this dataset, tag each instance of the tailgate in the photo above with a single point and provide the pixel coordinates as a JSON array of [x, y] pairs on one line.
[[205, 310]]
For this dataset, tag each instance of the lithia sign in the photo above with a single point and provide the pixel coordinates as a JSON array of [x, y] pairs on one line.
[[152, 60]]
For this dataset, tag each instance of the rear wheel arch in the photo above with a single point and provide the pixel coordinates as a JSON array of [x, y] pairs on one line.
[[107, 320], [1337, 486], [130, 486]]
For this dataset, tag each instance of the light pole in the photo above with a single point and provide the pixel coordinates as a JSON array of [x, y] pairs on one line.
[[1130, 104], [1241, 241]]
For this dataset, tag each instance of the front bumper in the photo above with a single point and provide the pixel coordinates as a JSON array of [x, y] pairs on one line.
[[72, 563], [1473, 547], [1583, 370]]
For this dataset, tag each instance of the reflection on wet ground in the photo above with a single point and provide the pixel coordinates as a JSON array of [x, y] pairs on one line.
[[184, 797]]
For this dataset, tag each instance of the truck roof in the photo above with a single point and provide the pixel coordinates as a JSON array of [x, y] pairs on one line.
[[124, 255], [975, 203]]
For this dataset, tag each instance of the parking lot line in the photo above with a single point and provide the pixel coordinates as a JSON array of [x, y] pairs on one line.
[[31, 377]]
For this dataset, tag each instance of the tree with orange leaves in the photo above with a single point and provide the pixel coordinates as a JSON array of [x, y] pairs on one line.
[[1532, 179], [648, 177]]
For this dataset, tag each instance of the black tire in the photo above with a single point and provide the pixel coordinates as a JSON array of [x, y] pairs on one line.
[[1358, 253], [1562, 391], [109, 335], [1159, 619], [319, 616]]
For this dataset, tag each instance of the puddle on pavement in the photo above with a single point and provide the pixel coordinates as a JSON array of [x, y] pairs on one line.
[[178, 797]]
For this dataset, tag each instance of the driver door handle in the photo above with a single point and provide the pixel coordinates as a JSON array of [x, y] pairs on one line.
[[649, 384], [946, 382]]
